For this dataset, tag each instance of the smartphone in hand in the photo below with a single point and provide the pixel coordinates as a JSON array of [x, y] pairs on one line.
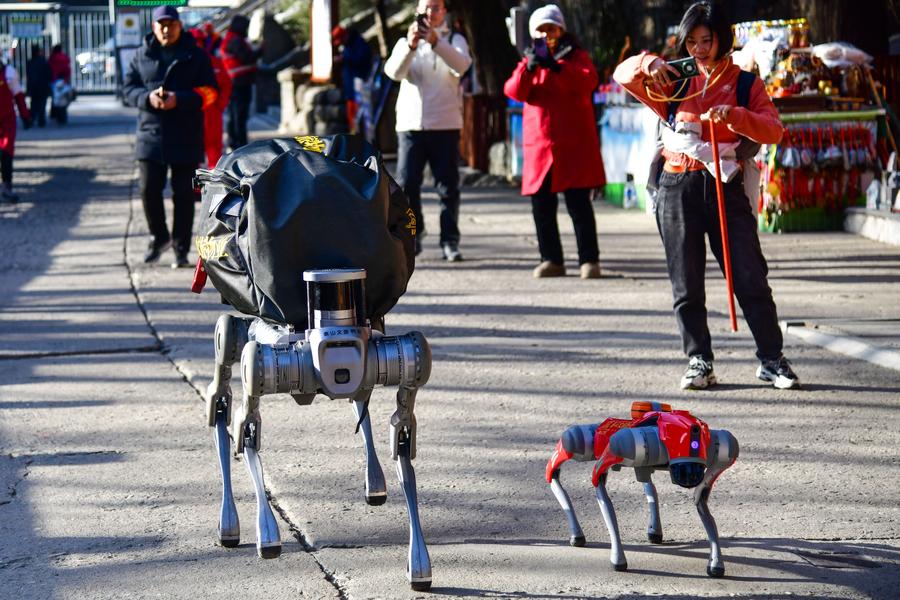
[[422, 21], [540, 48], [686, 67]]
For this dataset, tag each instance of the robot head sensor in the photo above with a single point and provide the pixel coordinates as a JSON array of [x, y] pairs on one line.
[[336, 297]]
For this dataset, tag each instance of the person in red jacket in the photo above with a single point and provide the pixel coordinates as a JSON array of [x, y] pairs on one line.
[[556, 80], [60, 68], [239, 58], [11, 97], [212, 114], [686, 207]]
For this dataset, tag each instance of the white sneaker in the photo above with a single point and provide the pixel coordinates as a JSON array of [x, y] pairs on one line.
[[779, 373], [699, 374]]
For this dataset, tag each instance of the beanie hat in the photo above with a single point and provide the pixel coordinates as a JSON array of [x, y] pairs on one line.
[[545, 14]]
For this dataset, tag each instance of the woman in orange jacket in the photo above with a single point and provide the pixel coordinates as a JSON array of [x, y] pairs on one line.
[[686, 207]]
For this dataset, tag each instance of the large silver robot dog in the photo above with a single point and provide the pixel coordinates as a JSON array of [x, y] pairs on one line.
[[340, 356]]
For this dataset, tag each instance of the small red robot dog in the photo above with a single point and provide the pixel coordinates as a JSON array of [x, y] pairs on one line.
[[656, 438]]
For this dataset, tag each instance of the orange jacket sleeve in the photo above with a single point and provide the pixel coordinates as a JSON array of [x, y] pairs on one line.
[[631, 74], [759, 121]]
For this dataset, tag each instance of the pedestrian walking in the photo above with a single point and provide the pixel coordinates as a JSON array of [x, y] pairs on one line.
[[686, 207], [38, 78], [239, 58], [212, 114], [428, 63], [61, 76], [556, 79], [11, 97], [170, 81]]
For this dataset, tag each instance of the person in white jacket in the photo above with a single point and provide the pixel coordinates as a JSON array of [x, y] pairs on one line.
[[428, 63]]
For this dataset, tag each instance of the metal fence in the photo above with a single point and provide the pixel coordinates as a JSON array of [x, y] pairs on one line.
[[84, 33]]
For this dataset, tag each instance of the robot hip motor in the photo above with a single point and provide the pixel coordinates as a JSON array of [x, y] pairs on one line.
[[339, 356]]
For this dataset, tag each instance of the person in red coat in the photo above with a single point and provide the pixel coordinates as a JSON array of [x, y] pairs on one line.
[[12, 96], [556, 79], [212, 114]]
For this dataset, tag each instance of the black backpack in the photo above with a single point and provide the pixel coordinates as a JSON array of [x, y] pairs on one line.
[[275, 208]]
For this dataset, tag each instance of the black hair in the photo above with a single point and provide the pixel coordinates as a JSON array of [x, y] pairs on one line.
[[37, 50], [706, 14], [56, 48]]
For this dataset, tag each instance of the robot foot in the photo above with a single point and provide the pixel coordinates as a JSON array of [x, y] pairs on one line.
[[655, 538], [717, 571], [418, 563], [620, 567], [577, 541], [376, 488]]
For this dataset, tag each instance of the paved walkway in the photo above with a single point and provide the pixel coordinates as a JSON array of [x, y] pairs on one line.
[[111, 482]]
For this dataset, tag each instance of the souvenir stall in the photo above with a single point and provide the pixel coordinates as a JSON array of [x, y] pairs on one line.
[[834, 144]]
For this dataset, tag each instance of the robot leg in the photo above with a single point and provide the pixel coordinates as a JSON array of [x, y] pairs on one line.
[[403, 448], [229, 530], [616, 554], [376, 488], [268, 538], [654, 529], [716, 566], [576, 537], [230, 337], [721, 454]]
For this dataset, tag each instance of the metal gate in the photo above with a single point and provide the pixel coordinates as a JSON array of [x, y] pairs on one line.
[[20, 31], [85, 35], [90, 46]]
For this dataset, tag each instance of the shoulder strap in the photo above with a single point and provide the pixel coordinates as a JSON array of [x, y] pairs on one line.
[[744, 85]]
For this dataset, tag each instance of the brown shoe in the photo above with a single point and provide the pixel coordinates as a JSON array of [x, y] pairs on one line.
[[549, 269], [590, 270]]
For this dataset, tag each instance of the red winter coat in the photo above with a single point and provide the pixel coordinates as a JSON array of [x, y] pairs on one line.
[[60, 66], [11, 97], [559, 128], [212, 114]]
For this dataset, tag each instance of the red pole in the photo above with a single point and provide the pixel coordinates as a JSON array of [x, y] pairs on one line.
[[723, 225]]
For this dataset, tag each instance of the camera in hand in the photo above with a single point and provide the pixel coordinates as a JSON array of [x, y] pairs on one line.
[[686, 67], [422, 20]]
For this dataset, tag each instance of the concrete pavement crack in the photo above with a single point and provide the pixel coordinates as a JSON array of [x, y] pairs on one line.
[[310, 549], [12, 490]]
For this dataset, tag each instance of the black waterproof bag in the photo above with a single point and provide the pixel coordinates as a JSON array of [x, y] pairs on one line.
[[275, 208]]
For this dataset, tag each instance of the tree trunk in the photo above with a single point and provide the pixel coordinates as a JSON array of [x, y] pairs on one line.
[[381, 27], [485, 29]]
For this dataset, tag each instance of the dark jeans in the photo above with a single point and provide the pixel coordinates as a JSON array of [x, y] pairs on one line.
[[440, 149], [153, 182], [38, 109], [237, 114], [544, 205], [6, 167], [686, 213]]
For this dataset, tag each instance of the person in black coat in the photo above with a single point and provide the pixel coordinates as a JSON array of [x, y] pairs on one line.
[[38, 79], [170, 80]]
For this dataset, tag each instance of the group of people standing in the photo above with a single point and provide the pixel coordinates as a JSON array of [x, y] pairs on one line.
[[182, 82], [555, 80], [41, 76], [49, 78]]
